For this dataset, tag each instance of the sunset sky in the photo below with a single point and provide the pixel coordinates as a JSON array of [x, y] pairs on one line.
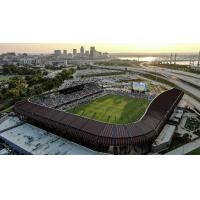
[[111, 48], [110, 25]]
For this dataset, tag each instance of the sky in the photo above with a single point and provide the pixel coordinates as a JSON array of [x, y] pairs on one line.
[[36, 48], [110, 25]]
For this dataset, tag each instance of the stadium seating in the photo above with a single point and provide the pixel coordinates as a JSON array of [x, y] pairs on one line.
[[57, 99]]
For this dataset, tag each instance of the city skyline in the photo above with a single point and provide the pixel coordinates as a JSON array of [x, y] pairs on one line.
[[48, 48]]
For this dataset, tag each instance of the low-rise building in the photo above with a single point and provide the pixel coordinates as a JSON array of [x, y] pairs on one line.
[[25, 138], [58, 63], [164, 139], [176, 116]]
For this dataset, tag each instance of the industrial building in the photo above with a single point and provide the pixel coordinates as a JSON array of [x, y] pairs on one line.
[[25, 138], [164, 139]]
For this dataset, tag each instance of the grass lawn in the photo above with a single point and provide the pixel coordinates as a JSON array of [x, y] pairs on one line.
[[6, 105], [194, 152], [113, 109], [4, 77], [9, 109]]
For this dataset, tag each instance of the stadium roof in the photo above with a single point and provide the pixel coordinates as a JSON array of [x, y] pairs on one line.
[[100, 133]]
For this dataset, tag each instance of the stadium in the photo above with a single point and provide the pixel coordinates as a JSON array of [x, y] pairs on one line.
[[90, 116]]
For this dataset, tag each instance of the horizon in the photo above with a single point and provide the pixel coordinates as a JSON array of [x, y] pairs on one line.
[[139, 26], [111, 48]]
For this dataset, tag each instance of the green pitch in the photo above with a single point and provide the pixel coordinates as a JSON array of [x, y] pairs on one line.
[[113, 109]]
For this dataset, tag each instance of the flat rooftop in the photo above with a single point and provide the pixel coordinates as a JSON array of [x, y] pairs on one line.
[[9, 122], [165, 135], [37, 141]]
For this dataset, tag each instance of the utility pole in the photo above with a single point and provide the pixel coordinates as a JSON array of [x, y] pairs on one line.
[[190, 62], [175, 58], [171, 59]]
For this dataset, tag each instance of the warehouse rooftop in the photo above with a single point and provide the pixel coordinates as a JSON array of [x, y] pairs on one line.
[[29, 139]]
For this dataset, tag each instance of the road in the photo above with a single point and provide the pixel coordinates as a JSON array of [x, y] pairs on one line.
[[185, 148], [186, 76], [52, 74], [174, 76]]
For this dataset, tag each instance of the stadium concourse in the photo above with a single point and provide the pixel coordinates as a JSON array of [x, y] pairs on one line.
[[104, 137]]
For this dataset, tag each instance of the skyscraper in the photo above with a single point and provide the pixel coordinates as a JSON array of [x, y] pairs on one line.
[[64, 52], [74, 52], [87, 54], [92, 52], [57, 52], [82, 51]]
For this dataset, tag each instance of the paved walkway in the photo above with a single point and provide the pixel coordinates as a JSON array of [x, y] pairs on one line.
[[185, 148]]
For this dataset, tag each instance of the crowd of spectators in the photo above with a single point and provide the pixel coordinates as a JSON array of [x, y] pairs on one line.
[[81, 101], [57, 99], [129, 93]]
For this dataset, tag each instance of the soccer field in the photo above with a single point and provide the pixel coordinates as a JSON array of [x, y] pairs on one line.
[[113, 109]]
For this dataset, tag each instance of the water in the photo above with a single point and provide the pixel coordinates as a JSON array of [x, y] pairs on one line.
[[148, 59], [184, 60]]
